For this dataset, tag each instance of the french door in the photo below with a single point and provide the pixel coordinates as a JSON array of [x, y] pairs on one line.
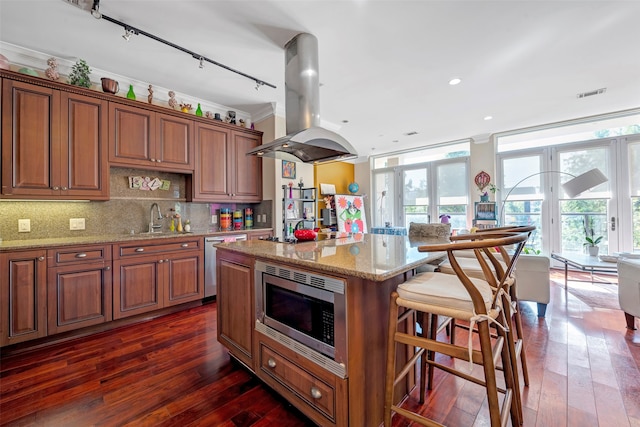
[[610, 210]]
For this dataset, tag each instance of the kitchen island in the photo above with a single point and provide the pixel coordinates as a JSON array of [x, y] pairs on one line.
[[339, 384]]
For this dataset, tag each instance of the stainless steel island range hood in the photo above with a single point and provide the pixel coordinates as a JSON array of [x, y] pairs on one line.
[[305, 140]]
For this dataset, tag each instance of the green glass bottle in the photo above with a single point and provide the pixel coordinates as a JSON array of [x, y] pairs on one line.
[[199, 111], [131, 94]]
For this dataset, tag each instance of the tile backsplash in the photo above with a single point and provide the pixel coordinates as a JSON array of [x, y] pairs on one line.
[[128, 209]]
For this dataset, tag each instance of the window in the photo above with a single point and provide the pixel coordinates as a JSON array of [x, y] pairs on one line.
[[410, 191]]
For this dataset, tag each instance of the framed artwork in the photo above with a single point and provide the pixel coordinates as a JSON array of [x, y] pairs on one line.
[[288, 169], [350, 213]]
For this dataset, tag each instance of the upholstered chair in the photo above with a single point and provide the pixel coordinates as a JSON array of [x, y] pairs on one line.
[[629, 289]]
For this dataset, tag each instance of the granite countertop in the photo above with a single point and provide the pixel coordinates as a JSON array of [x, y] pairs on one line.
[[10, 245], [374, 257]]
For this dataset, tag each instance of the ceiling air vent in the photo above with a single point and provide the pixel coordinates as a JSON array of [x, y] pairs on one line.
[[593, 92]]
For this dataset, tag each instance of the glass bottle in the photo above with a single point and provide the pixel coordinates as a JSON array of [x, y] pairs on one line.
[[131, 94], [199, 111]]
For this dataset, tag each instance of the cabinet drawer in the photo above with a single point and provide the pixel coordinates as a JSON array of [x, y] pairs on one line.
[[76, 254], [303, 384], [146, 248]]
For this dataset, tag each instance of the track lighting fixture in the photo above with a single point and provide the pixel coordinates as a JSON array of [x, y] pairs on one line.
[[129, 31], [95, 9]]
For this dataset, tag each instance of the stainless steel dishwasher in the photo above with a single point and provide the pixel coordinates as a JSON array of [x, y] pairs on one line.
[[210, 285]]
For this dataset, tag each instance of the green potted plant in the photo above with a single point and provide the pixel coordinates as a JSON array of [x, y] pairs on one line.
[[80, 74], [591, 241]]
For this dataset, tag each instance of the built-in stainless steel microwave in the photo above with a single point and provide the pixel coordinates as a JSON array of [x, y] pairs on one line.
[[304, 306]]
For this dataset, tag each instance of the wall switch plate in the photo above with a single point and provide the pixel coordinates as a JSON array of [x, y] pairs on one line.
[[76, 224], [24, 225]]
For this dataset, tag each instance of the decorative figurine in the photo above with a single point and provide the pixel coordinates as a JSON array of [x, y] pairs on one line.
[[231, 117], [172, 99], [185, 107], [208, 115], [150, 97], [241, 122], [52, 71]]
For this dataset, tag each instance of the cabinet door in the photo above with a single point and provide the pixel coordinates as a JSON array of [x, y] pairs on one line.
[[246, 172], [174, 147], [185, 281], [30, 140], [79, 296], [23, 294], [210, 182], [131, 136], [84, 161], [137, 286], [235, 308]]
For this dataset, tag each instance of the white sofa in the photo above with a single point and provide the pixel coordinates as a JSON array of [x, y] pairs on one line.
[[629, 289], [532, 280]]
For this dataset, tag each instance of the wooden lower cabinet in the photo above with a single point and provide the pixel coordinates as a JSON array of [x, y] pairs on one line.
[[152, 275], [79, 287], [23, 296], [319, 394], [236, 305], [259, 235]]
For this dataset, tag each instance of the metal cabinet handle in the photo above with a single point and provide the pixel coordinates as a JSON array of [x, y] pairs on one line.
[[55, 187], [139, 249], [40, 258], [613, 223], [315, 393], [160, 261], [65, 188], [166, 260], [271, 363], [81, 255], [107, 268], [153, 160], [185, 245], [158, 160]]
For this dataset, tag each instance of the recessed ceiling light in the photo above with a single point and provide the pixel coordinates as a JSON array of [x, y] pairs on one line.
[[345, 121], [488, 117], [455, 81]]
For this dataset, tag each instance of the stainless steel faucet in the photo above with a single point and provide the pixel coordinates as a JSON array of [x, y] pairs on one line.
[[153, 227]]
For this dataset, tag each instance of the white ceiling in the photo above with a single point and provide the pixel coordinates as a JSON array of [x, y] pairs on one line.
[[384, 64]]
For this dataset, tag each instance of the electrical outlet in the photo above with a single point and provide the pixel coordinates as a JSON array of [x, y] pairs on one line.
[[76, 224], [214, 219], [24, 225]]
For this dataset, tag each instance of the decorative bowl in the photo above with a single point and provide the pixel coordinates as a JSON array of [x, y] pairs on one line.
[[305, 234]]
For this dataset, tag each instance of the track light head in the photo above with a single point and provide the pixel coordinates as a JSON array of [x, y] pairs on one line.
[[95, 9], [128, 32], [201, 62], [258, 84]]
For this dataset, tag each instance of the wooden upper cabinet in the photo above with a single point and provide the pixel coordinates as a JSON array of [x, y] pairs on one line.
[[222, 170], [210, 182], [30, 140], [53, 144], [150, 140], [246, 170], [174, 145], [84, 158]]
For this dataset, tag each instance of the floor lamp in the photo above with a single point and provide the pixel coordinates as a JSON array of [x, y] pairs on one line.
[[575, 186]]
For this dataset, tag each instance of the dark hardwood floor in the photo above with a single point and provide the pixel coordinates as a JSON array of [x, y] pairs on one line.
[[583, 363]]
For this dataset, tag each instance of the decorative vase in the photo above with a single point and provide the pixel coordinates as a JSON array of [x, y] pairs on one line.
[[593, 250], [131, 94], [179, 227], [484, 198], [199, 111]]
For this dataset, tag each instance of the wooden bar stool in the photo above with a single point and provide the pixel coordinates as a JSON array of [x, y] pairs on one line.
[[471, 266], [464, 298]]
